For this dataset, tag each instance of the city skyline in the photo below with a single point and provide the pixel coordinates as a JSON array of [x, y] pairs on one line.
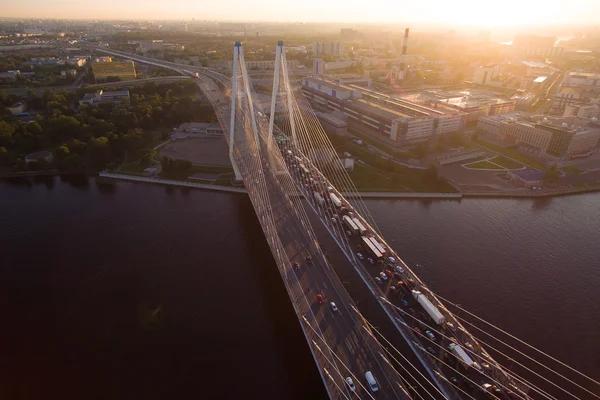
[[512, 13]]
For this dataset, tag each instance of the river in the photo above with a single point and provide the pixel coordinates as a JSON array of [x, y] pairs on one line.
[[130, 290]]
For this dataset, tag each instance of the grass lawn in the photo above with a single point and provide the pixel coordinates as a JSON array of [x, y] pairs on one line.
[[513, 154], [369, 179], [506, 162], [133, 167], [571, 169], [482, 165], [211, 169]]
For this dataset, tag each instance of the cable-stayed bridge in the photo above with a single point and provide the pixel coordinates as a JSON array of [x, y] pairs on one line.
[[294, 176]]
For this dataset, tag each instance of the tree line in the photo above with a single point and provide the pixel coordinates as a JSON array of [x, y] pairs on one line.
[[90, 138]]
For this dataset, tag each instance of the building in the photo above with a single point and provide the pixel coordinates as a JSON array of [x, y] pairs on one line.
[[484, 74], [526, 177], [68, 73], [535, 46], [202, 128], [318, 67], [332, 124], [584, 111], [39, 155], [18, 108], [10, 76], [77, 61], [392, 121], [101, 96], [551, 138], [335, 49], [580, 78], [474, 103], [104, 59]]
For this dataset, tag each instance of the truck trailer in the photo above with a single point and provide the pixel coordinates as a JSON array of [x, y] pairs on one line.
[[350, 224], [461, 354], [432, 310], [335, 200], [361, 227]]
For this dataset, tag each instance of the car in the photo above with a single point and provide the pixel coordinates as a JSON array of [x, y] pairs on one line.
[[454, 380], [371, 260], [399, 269], [295, 265], [360, 256], [308, 259], [383, 276], [348, 233], [320, 298], [334, 220], [405, 302], [400, 283], [417, 331], [431, 351], [333, 306], [430, 334], [350, 384], [392, 260], [377, 279], [389, 273]]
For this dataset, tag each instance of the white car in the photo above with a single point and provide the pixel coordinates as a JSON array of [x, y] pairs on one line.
[[360, 256], [350, 384], [333, 306], [392, 259], [383, 276], [371, 260]]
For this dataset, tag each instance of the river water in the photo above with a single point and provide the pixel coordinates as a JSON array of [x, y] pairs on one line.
[[131, 290]]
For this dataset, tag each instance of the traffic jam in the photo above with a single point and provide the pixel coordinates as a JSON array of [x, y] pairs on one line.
[[462, 364]]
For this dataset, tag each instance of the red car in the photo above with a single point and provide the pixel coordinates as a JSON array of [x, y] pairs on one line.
[[389, 273], [418, 331], [320, 299]]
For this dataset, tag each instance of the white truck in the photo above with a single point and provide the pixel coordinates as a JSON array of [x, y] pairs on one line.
[[319, 198], [350, 224], [432, 310], [461, 354], [335, 200], [361, 227]]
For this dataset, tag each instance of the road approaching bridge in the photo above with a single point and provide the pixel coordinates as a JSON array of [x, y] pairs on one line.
[[275, 168]]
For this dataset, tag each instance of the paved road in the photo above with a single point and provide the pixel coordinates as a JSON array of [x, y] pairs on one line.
[[337, 331]]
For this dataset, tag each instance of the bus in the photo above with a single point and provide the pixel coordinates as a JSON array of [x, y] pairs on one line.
[[378, 245], [371, 249], [361, 227]]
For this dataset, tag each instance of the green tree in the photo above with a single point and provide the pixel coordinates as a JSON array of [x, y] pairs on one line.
[[145, 154]]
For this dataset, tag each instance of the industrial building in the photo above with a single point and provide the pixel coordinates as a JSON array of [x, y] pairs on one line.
[[393, 121], [474, 103], [101, 96], [551, 138], [577, 88]]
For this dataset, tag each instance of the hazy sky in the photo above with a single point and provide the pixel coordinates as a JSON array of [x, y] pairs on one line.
[[447, 12]]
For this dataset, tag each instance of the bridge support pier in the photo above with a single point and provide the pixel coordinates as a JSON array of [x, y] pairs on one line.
[[234, 80]]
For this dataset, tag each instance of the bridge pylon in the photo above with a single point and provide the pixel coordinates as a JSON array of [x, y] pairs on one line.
[[281, 69], [237, 51]]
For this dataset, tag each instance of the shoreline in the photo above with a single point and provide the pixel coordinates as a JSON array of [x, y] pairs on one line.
[[364, 195]]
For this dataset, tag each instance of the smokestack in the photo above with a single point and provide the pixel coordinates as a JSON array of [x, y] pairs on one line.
[[402, 66], [405, 43]]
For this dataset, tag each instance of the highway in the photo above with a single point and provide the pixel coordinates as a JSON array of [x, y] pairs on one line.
[[335, 330], [341, 332]]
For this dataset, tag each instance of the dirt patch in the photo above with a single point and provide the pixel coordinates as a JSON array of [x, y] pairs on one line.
[[199, 151]]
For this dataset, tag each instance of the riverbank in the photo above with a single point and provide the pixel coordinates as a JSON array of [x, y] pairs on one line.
[[370, 195]]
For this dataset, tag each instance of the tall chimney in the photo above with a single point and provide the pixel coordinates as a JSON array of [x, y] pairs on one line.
[[405, 43], [402, 66]]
